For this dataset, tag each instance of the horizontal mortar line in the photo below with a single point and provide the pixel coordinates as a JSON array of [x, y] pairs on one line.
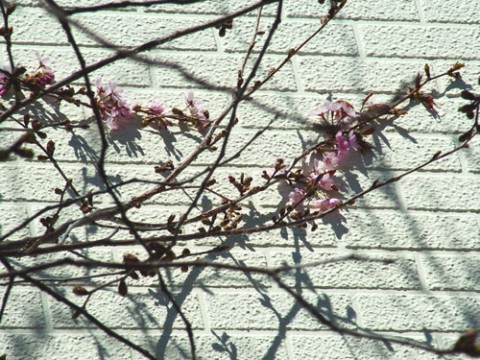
[[425, 170], [395, 211], [388, 59], [339, 19], [367, 56], [440, 210], [412, 249], [329, 333], [302, 52], [141, 13], [443, 57], [373, 252], [217, 291], [444, 210], [408, 23], [378, 170], [214, 53], [201, 332], [100, 47], [273, 291]]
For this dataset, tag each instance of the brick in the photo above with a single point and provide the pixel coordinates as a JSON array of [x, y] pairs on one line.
[[393, 229], [443, 191], [337, 39], [401, 274], [12, 216], [283, 111], [10, 178], [209, 7], [451, 272], [216, 346], [133, 29], [362, 10], [64, 3], [24, 309], [386, 197], [270, 146], [222, 69], [401, 312], [440, 11], [425, 41], [353, 74], [64, 63], [40, 182], [404, 151], [59, 346], [333, 347], [35, 25], [254, 311], [471, 156], [144, 309]]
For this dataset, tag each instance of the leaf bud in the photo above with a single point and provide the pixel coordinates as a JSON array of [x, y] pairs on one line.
[[80, 291]]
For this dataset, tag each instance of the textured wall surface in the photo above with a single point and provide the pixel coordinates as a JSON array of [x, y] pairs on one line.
[[428, 222]]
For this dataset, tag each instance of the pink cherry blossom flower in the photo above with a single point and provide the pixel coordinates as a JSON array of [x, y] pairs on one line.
[[321, 177], [4, 80], [156, 112], [339, 109], [44, 74], [330, 161], [198, 111], [114, 110], [196, 107], [157, 108], [325, 204], [326, 182], [296, 196], [345, 144]]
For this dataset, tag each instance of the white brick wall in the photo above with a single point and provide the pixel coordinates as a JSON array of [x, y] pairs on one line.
[[428, 223]]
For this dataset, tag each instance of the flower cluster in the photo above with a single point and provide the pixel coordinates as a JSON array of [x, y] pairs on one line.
[[114, 110], [197, 110], [155, 114], [318, 184], [43, 75], [38, 79], [117, 113], [4, 80]]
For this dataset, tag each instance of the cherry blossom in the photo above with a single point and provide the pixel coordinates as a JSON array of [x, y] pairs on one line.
[[44, 74], [330, 161], [198, 111], [4, 80], [296, 196], [325, 204], [339, 109], [345, 144], [114, 110], [157, 108], [322, 177], [196, 107]]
